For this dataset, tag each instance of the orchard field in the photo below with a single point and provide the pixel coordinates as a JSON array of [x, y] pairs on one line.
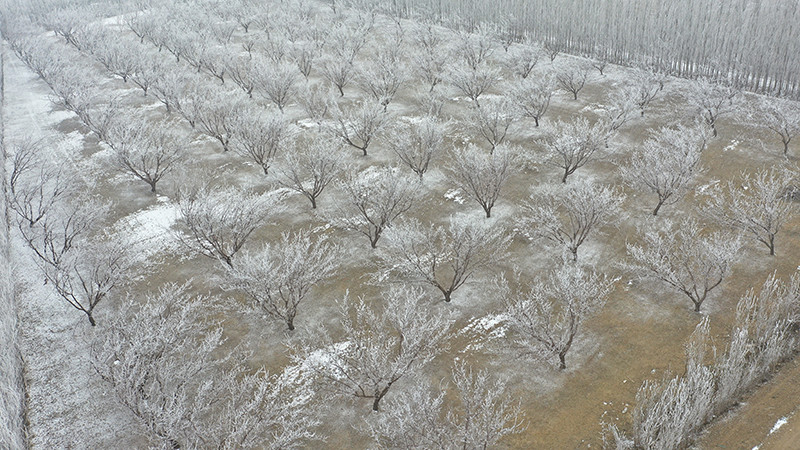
[[293, 224]]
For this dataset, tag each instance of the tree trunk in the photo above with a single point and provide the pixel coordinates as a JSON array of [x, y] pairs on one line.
[[290, 323], [697, 305], [91, 318], [227, 260], [562, 358], [536, 121], [152, 187], [313, 202], [772, 245], [379, 396], [447, 295], [658, 206]]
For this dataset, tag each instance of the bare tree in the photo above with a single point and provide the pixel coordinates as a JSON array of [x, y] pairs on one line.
[[572, 78], [216, 113], [261, 138], [781, 116], [382, 79], [417, 141], [532, 96], [645, 87], [667, 163], [378, 348], [276, 82], [305, 55], [548, 317], [277, 278], [442, 257], [484, 414], [431, 55], [474, 49], [521, 59], [316, 101], [338, 71], [34, 186], [473, 83], [758, 205], [310, 169], [219, 221], [375, 198], [240, 70], [146, 151], [492, 119], [159, 356], [482, 175], [689, 261], [712, 100], [570, 145], [618, 110], [568, 215], [89, 272], [358, 126]]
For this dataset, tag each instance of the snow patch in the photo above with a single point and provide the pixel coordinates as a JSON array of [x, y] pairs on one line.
[[781, 422], [455, 195], [148, 231]]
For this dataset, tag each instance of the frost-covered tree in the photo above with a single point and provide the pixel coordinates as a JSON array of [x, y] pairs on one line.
[[473, 83], [278, 277], [691, 262], [240, 70], [547, 317], [378, 346], [219, 221], [532, 97], [474, 49], [618, 109], [338, 71], [758, 204], [260, 138], [278, 83], [144, 150], [483, 415], [482, 175], [781, 116], [567, 215], [317, 102], [89, 272], [492, 118], [358, 126], [668, 412], [445, 257], [310, 168], [215, 113], [33, 185], [159, 356], [667, 163], [712, 100], [571, 145], [375, 198], [416, 142], [643, 88], [382, 79], [572, 78], [521, 59], [430, 54]]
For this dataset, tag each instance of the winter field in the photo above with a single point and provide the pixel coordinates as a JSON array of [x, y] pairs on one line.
[[325, 227]]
